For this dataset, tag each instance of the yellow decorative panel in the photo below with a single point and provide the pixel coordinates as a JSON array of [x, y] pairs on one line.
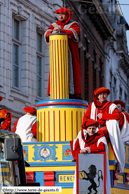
[[66, 178]]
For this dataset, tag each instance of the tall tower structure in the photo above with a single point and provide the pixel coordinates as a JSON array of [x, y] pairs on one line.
[[60, 118]]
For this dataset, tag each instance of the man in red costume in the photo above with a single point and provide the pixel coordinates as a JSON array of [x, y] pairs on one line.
[[107, 114], [25, 126], [90, 140], [87, 139], [121, 107], [123, 121], [66, 25], [6, 124]]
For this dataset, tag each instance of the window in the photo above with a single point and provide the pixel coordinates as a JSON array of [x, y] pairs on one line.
[[94, 69], [100, 72], [125, 97], [111, 85], [16, 56], [39, 65], [120, 97], [114, 90], [112, 6]]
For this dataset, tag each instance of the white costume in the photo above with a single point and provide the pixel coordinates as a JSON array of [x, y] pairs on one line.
[[125, 130], [24, 128]]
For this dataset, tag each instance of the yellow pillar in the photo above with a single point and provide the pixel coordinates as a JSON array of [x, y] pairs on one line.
[[59, 120], [59, 75]]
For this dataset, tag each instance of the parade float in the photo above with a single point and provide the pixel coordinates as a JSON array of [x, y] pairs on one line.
[[58, 122]]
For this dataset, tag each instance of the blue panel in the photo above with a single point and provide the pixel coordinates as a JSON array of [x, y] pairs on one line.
[[63, 185], [43, 143], [39, 178], [67, 153], [127, 144], [5, 173], [121, 185], [61, 106], [25, 153], [112, 162], [111, 177], [45, 152], [126, 165], [59, 101], [36, 164]]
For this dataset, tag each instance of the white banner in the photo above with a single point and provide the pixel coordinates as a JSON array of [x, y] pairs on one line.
[[20, 189]]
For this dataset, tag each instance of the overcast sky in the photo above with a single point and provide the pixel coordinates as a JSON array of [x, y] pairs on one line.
[[125, 10]]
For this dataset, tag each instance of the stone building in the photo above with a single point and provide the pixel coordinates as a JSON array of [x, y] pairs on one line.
[[103, 48], [24, 57], [95, 30], [116, 52]]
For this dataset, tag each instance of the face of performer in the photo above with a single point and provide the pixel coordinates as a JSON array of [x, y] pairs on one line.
[[119, 107], [91, 130], [102, 97], [62, 17]]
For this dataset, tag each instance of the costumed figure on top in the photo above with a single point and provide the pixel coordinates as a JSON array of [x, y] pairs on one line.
[[6, 122], [91, 140], [66, 25], [26, 126], [123, 121], [107, 114]]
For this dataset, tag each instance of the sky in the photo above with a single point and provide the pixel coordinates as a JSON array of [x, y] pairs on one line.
[[125, 11]]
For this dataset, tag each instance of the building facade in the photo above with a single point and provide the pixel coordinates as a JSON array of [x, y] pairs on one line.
[[95, 30], [24, 56], [117, 58], [103, 48]]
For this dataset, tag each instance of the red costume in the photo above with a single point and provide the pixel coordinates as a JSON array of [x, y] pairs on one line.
[[89, 142], [72, 29], [123, 111], [102, 108], [96, 142], [109, 122], [84, 140], [123, 121], [6, 124]]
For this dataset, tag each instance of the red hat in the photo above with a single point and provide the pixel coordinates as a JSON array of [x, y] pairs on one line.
[[66, 11], [101, 90], [31, 110], [1, 98], [89, 122], [119, 102], [63, 10]]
